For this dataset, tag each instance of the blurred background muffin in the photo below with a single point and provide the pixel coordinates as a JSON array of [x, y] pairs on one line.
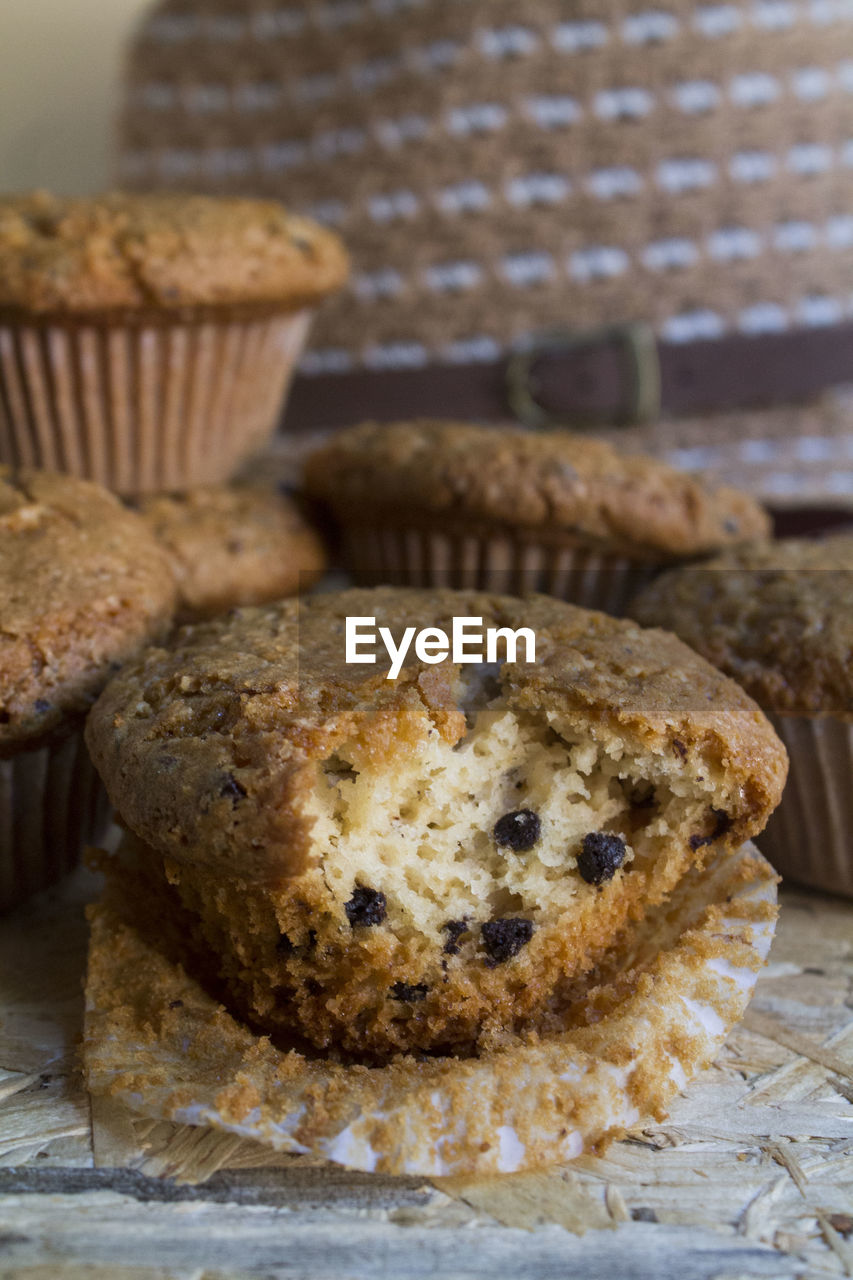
[[83, 586], [147, 342], [503, 509], [778, 618], [234, 545]]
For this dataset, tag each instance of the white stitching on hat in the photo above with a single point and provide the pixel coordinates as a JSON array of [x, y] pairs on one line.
[[527, 268], [752, 166], [576, 37], [671, 254], [276, 156], [598, 262], [384, 283], [506, 42], [396, 355], [407, 128], [816, 310], [714, 20], [754, 89], [773, 15], [478, 117], [631, 103], [271, 23], [610, 184], [326, 360], [478, 348], [537, 188], [453, 277], [690, 326], [391, 205], [733, 244], [687, 173], [809, 158], [553, 111], [695, 97], [762, 317], [463, 196], [649, 27], [795, 236]]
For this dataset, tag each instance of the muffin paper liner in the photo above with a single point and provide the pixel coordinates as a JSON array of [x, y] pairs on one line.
[[507, 562], [141, 406], [810, 836], [657, 1012], [52, 804]]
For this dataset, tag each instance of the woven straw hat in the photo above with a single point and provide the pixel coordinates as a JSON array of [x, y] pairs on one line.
[[512, 178]]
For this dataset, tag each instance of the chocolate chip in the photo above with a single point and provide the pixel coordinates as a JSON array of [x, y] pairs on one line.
[[231, 787], [366, 906], [680, 748], [722, 824], [454, 930], [412, 992], [176, 1004], [41, 705], [503, 939], [518, 830], [284, 946], [642, 1214], [601, 857]]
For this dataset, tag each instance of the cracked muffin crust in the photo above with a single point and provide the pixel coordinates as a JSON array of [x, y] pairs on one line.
[[83, 586], [381, 866], [233, 545], [116, 252], [556, 483]]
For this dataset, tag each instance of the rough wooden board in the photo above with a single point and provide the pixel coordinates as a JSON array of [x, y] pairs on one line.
[[750, 1175]]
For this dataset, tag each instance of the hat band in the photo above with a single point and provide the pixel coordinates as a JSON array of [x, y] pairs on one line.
[[615, 376]]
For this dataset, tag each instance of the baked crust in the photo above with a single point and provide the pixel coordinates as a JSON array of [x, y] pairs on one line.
[[216, 750], [233, 545], [119, 252], [776, 616], [83, 586], [556, 482]]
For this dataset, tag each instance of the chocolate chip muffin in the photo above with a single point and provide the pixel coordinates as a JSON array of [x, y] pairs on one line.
[[454, 504], [233, 545], [778, 618], [83, 585], [386, 865], [148, 340]]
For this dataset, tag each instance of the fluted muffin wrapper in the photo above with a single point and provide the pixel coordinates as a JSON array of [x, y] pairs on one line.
[[810, 836], [442, 554], [683, 979], [52, 805], [139, 406]]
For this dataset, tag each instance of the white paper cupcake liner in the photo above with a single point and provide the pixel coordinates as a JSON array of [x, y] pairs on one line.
[[155, 1041], [144, 407], [52, 804], [810, 836], [508, 563]]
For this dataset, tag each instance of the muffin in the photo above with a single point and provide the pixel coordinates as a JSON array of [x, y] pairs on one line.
[[379, 865], [778, 618], [455, 504], [233, 545], [83, 585], [146, 342]]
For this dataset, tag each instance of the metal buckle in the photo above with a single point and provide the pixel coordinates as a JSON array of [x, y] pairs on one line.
[[642, 381]]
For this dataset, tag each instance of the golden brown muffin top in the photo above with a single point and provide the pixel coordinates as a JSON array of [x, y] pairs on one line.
[[119, 252], [232, 545], [555, 481], [83, 585], [209, 746], [776, 616]]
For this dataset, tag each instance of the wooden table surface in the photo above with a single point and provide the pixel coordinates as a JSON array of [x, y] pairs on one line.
[[751, 1174]]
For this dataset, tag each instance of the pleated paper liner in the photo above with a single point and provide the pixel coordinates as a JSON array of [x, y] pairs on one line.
[[510, 562], [145, 405], [52, 804], [810, 836], [658, 1011]]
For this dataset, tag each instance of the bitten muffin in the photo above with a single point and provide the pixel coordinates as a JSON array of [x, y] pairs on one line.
[[455, 504], [234, 545], [385, 865], [83, 585], [778, 618], [148, 341]]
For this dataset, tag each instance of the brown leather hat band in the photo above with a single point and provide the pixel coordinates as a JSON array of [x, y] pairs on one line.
[[612, 376]]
